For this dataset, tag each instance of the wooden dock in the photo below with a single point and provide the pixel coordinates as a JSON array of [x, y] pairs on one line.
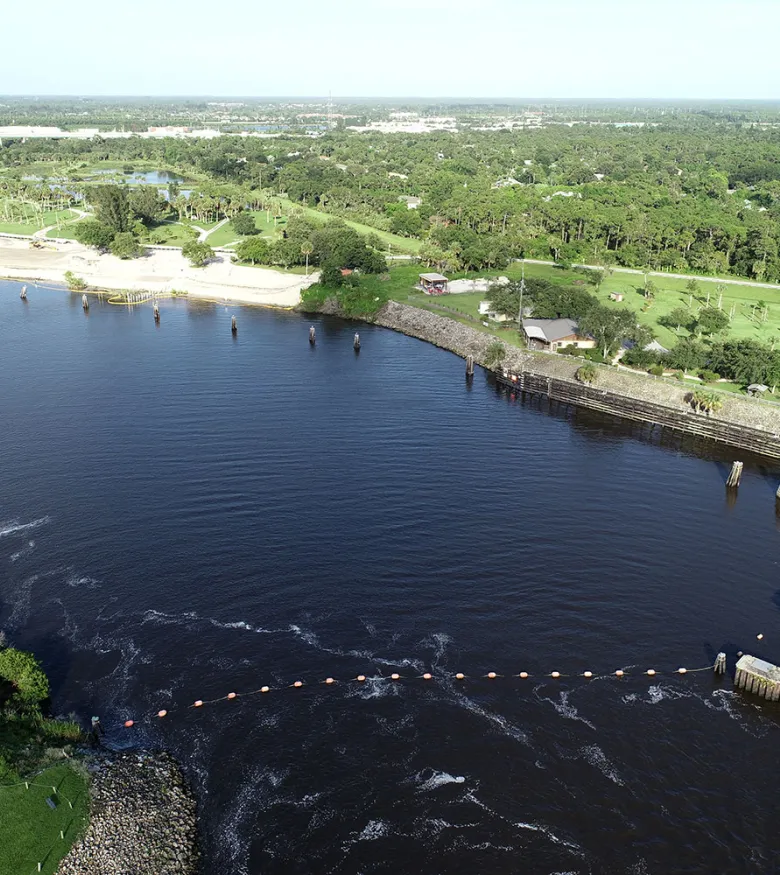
[[686, 421], [757, 676]]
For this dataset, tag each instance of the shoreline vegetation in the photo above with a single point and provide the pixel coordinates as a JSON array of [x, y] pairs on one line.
[[66, 809]]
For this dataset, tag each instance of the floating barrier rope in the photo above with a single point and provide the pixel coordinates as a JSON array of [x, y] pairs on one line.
[[395, 678]]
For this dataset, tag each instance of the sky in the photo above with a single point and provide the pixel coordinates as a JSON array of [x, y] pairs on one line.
[[393, 48]]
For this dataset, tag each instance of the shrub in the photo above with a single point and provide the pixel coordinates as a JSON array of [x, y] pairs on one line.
[[24, 673], [495, 354], [125, 245], [678, 375], [197, 253], [656, 370], [92, 233], [75, 283], [706, 402], [709, 376], [244, 225], [587, 373]]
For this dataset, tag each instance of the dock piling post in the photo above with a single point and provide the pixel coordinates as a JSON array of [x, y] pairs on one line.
[[736, 475], [720, 663], [356, 343], [234, 325], [312, 336], [469, 365], [156, 312], [85, 302], [23, 293]]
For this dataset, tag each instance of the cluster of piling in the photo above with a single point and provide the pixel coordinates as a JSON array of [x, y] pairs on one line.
[[759, 677]]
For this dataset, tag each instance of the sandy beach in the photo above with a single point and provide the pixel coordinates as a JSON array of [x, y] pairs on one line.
[[161, 270]]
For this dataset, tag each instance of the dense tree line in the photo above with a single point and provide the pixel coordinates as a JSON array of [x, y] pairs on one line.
[[698, 198]]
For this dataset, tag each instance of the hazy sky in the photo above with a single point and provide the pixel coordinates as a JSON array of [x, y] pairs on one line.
[[428, 48]]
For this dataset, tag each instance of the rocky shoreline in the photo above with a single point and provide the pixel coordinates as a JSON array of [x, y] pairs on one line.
[[142, 819], [464, 340]]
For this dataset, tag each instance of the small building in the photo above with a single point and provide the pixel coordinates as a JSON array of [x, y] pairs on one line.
[[552, 334], [412, 203], [757, 389], [433, 283], [486, 309], [616, 296]]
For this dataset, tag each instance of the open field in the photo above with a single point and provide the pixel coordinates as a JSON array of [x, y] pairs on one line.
[[671, 293], [226, 235], [35, 222], [30, 829]]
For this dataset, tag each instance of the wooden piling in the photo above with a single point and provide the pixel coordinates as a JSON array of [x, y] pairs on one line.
[[234, 325], [156, 310], [735, 476], [23, 293], [720, 663], [469, 365], [85, 302], [757, 676], [356, 343], [312, 336]]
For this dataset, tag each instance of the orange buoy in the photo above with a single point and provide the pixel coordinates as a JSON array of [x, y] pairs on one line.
[[587, 674], [162, 713], [555, 674], [329, 680], [128, 723], [395, 677], [619, 673], [231, 695], [523, 674], [427, 676], [760, 636], [264, 689], [298, 684], [198, 703], [491, 674], [651, 671], [361, 678], [681, 670], [460, 675]]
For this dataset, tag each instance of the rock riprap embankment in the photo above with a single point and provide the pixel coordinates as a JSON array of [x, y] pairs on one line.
[[142, 822]]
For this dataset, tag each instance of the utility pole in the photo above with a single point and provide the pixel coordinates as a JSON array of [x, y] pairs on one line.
[[522, 292]]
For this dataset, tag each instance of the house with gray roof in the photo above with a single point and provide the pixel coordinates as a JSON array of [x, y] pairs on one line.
[[551, 334]]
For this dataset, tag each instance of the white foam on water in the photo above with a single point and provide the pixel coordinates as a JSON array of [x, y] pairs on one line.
[[21, 601], [25, 551], [724, 702], [373, 830], [235, 836], [565, 708], [430, 779], [11, 527], [533, 827], [76, 580], [507, 728], [593, 754], [376, 687]]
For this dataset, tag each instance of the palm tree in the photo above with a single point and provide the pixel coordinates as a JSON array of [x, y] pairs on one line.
[[306, 249]]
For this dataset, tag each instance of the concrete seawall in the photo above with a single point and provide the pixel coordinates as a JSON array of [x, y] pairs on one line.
[[746, 423]]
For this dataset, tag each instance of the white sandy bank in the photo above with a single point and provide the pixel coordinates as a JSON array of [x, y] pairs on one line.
[[162, 270]]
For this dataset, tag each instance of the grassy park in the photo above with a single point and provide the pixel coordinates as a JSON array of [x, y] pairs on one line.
[[32, 221], [31, 831]]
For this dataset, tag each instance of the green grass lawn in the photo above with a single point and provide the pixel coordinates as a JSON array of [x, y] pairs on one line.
[[393, 241], [672, 293], [30, 829], [226, 235], [32, 224]]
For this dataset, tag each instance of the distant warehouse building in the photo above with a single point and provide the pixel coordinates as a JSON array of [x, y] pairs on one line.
[[551, 334]]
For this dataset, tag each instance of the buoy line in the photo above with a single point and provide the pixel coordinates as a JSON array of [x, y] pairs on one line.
[[395, 677]]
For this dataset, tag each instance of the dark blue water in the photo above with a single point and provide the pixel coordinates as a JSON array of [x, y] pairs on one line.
[[183, 515]]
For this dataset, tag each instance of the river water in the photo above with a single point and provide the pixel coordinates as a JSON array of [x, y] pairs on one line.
[[184, 514]]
